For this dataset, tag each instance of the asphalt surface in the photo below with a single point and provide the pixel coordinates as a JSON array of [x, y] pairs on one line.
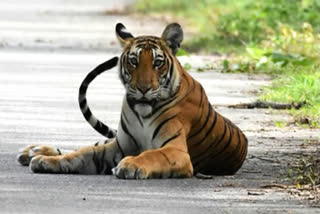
[[46, 49]]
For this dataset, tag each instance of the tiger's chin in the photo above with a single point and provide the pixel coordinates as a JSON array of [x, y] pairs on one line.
[[143, 109]]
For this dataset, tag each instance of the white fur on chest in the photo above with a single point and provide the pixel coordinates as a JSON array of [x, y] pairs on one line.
[[140, 129], [143, 110]]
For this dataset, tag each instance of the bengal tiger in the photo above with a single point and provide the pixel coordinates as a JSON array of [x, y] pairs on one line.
[[167, 128]]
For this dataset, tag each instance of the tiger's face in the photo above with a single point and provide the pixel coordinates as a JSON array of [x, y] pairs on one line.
[[147, 67]]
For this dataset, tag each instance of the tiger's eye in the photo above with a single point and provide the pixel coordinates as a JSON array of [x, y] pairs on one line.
[[157, 63], [133, 61]]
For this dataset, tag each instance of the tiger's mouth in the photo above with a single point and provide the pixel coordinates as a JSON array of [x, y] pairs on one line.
[[142, 101]]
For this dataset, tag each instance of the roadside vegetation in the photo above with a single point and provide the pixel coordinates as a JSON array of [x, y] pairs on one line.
[[275, 37]]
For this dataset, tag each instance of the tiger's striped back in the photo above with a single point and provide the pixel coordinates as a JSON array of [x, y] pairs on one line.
[[218, 147]]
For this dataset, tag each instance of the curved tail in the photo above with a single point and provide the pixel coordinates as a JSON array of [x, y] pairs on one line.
[[92, 120]]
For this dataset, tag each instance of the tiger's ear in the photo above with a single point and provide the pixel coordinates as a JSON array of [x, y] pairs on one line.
[[173, 36], [123, 35]]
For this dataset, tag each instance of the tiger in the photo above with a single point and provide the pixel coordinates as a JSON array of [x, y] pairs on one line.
[[167, 128]]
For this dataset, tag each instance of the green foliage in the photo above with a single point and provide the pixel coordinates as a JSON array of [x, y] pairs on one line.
[[224, 26], [182, 52], [254, 21]]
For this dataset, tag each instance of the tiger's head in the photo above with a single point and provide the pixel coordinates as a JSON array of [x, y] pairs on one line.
[[148, 67]]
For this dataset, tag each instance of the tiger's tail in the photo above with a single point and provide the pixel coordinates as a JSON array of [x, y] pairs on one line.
[[92, 120]]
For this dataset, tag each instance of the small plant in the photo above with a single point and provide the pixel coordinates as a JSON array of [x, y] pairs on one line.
[[304, 174], [280, 124], [187, 66], [305, 171]]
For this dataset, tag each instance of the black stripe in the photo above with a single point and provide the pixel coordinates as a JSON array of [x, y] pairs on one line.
[[165, 156], [140, 45], [201, 95], [160, 125], [233, 168], [83, 103], [120, 149], [243, 156], [131, 106], [137, 115], [125, 117], [95, 160], [210, 129], [171, 67], [87, 114], [238, 145], [190, 88], [122, 63], [228, 142], [125, 129], [154, 46], [114, 162], [171, 138], [111, 133], [171, 79], [163, 104], [201, 111], [82, 89], [209, 148], [133, 54], [107, 170], [59, 151], [102, 129], [170, 72], [147, 39], [204, 124]]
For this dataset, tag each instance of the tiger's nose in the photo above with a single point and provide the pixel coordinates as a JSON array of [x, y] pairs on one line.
[[144, 89]]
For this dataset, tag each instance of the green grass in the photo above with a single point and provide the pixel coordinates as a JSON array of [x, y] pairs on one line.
[[297, 87]]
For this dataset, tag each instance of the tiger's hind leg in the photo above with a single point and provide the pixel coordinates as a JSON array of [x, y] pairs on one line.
[[98, 159], [26, 154]]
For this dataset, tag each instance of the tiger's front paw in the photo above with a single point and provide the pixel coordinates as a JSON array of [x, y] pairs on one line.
[[44, 164], [128, 168], [26, 154]]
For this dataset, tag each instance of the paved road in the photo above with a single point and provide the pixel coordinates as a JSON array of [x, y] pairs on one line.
[[46, 50]]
